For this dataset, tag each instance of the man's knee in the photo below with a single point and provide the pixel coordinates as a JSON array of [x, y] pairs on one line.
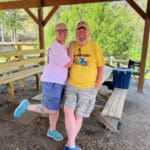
[[68, 111]]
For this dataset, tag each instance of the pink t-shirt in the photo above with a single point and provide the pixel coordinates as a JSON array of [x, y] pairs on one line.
[[54, 71]]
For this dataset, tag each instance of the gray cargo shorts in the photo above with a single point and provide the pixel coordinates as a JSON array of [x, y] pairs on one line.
[[79, 99]]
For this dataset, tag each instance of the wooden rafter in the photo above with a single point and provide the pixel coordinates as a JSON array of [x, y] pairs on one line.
[[45, 3], [45, 21], [50, 14], [31, 15], [71, 2], [19, 4], [137, 8]]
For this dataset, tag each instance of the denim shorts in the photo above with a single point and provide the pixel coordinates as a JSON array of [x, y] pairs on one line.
[[79, 99], [52, 95]]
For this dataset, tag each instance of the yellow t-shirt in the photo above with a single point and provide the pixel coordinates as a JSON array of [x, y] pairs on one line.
[[87, 59]]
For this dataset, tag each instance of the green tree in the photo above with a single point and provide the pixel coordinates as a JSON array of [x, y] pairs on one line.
[[110, 25], [13, 20]]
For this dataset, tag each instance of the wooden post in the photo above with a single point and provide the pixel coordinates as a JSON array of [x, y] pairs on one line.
[[38, 83], [144, 48], [21, 67], [41, 31], [41, 40], [41, 27], [11, 91]]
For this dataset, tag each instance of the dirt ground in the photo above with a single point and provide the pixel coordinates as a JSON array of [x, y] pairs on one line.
[[29, 133]]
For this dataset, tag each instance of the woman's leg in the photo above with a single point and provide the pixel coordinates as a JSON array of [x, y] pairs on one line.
[[38, 108], [53, 118]]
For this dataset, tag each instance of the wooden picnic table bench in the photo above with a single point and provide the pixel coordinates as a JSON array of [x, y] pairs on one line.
[[19, 66], [10, 70], [111, 113]]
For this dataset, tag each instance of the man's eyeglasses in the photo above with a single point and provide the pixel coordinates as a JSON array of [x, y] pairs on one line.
[[59, 31]]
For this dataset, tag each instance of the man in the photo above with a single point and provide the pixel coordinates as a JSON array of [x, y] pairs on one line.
[[53, 80], [85, 79]]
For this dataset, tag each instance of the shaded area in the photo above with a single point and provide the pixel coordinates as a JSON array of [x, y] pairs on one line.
[[134, 134]]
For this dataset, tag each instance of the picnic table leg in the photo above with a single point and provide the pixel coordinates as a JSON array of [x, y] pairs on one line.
[[22, 83], [38, 83], [11, 92], [21, 67], [110, 123]]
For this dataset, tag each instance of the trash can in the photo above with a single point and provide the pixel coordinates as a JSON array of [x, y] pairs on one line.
[[121, 77]]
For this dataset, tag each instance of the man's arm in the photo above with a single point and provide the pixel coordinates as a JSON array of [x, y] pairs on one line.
[[100, 76]]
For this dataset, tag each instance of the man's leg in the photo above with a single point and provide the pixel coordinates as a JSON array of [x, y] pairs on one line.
[[79, 121], [73, 125], [70, 122], [73, 122]]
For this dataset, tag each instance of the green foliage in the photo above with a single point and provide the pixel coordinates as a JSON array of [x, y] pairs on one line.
[[13, 21], [110, 26]]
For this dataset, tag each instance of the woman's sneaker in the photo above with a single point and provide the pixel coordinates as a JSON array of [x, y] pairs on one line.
[[21, 109], [55, 135]]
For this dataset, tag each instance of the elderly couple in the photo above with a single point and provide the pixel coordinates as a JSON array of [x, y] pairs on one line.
[[86, 62]]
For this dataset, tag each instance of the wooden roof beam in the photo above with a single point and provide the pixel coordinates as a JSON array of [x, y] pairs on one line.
[[50, 14], [45, 3], [137, 8], [29, 12], [71, 2], [19, 4]]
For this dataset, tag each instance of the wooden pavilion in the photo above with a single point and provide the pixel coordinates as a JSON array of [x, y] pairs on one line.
[[55, 4]]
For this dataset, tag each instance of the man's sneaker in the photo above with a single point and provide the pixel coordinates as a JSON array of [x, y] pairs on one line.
[[55, 135], [21, 109], [68, 148]]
